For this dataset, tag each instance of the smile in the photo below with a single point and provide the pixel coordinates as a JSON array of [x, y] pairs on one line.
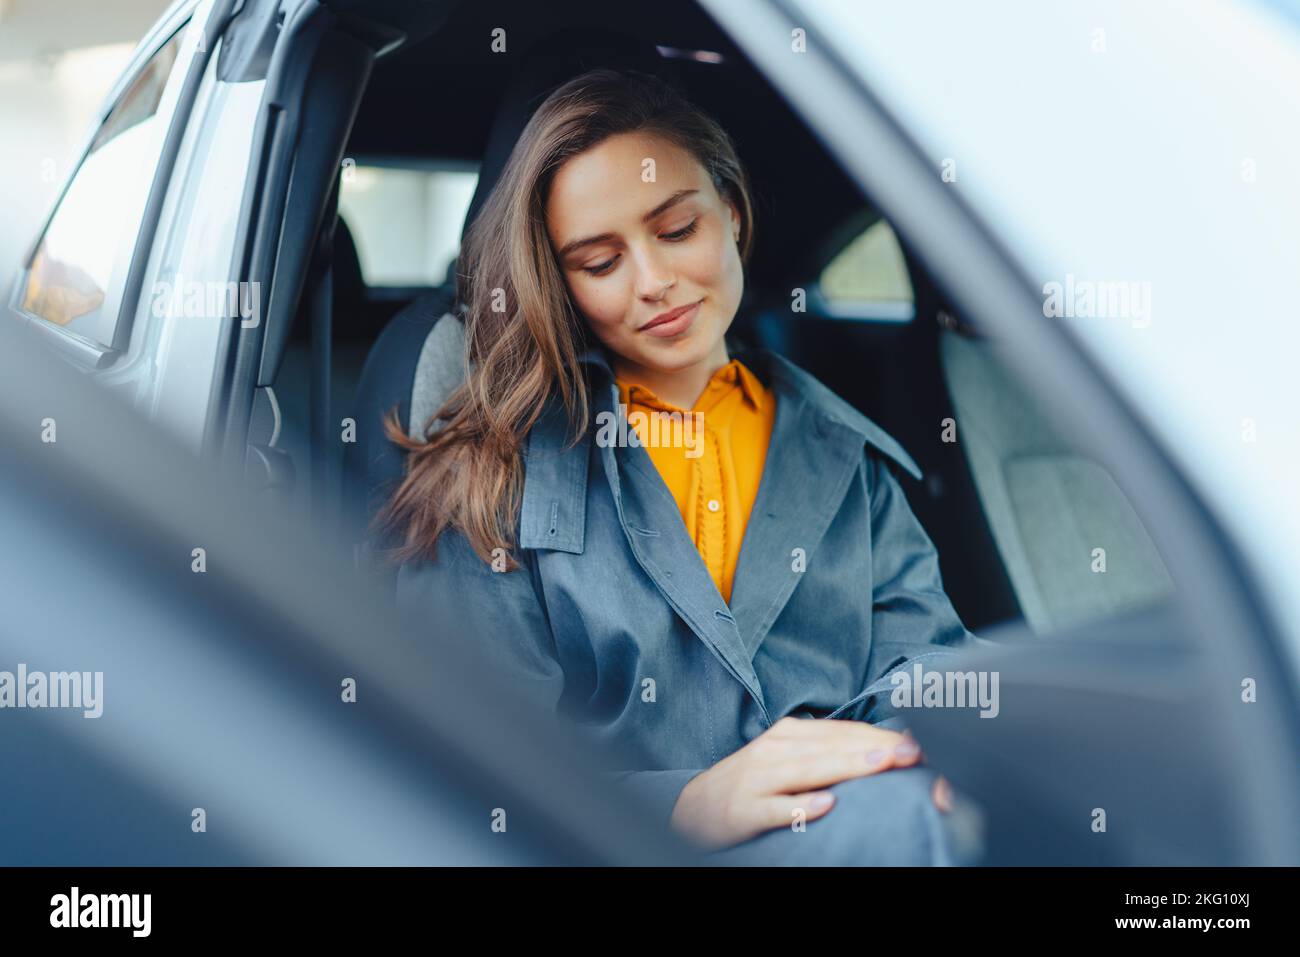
[[672, 323]]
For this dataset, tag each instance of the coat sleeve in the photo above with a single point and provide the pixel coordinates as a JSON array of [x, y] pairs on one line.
[[912, 619], [504, 616], [497, 613]]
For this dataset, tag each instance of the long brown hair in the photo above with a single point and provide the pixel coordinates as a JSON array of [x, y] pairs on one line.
[[523, 335]]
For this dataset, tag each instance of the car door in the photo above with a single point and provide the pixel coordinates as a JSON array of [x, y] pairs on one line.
[[223, 638], [120, 280]]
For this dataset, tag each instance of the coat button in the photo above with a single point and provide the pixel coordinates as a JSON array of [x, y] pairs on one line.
[[714, 505]]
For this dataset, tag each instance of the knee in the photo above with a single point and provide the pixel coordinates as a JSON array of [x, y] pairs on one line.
[[887, 819]]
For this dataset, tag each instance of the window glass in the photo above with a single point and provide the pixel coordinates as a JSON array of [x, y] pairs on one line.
[[405, 221], [869, 277], [81, 262]]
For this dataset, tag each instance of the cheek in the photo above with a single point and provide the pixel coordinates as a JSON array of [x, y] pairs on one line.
[[735, 272], [716, 266], [603, 304]]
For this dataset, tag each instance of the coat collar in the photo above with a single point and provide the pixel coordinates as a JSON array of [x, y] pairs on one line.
[[553, 512], [786, 378], [816, 449], [734, 373], [554, 506]]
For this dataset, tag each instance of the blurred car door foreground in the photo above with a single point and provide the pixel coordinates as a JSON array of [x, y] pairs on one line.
[[224, 671]]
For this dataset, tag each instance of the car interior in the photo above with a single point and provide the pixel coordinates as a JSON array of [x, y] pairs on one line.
[[365, 137], [1014, 510]]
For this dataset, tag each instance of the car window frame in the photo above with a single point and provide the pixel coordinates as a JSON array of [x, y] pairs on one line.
[[181, 17], [988, 285], [1220, 594]]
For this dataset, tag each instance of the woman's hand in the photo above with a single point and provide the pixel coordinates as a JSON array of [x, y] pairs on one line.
[[784, 769]]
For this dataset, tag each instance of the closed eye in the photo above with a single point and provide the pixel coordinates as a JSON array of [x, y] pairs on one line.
[[674, 237], [679, 235]]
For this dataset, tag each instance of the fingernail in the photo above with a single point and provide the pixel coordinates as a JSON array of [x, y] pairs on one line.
[[907, 749], [821, 801], [875, 756]]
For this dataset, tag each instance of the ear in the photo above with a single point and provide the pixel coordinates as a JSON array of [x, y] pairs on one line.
[[735, 221]]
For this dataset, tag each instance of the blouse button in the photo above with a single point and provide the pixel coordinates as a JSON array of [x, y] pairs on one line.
[[714, 505]]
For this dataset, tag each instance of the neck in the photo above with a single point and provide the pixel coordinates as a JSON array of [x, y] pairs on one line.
[[682, 387]]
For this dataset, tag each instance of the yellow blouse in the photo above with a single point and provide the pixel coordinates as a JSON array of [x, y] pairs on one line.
[[710, 457]]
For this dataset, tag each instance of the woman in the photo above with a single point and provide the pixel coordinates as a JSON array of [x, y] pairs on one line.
[[585, 495]]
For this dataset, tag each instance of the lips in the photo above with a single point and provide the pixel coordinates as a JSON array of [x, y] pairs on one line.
[[673, 322]]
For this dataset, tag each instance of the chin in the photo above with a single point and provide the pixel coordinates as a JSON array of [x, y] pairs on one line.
[[676, 355]]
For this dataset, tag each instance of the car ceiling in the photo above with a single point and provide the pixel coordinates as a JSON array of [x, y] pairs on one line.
[[435, 98]]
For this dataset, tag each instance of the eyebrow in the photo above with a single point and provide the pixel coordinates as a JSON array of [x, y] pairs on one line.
[[671, 201]]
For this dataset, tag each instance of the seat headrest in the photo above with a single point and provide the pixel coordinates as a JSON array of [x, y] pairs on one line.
[[546, 65]]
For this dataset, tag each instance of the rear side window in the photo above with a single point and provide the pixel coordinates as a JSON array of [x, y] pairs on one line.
[[76, 274], [868, 278], [405, 219]]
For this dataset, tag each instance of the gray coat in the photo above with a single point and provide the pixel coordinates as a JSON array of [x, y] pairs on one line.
[[615, 622]]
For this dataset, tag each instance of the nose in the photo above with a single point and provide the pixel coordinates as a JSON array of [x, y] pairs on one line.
[[653, 277]]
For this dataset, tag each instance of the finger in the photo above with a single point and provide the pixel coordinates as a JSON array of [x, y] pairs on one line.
[[849, 733], [847, 736], [822, 768], [903, 749], [907, 751], [942, 794]]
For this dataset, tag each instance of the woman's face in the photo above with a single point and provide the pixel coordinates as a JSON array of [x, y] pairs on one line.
[[654, 267]]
